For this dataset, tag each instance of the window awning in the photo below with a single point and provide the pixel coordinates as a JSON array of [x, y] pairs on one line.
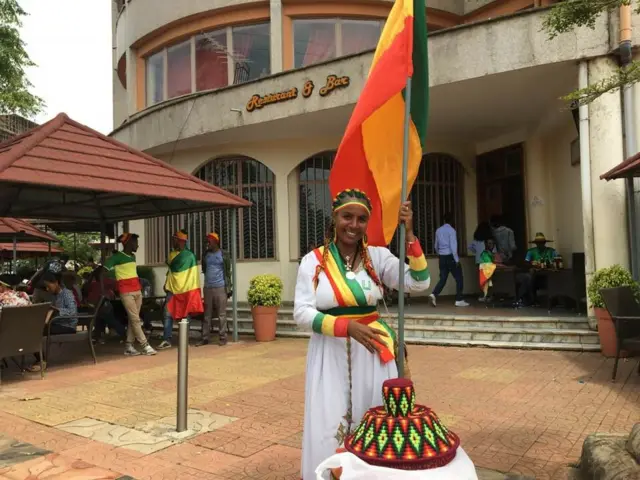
[[64, 170]]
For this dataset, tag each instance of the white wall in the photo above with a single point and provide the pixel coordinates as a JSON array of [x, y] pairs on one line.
[[565, 193], [283, 157]]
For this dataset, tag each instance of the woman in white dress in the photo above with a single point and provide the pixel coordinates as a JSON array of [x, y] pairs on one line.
[[338, 288]]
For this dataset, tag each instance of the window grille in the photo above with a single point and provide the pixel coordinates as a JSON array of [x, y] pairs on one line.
[[314, 200], [439, 188], [242, 176]]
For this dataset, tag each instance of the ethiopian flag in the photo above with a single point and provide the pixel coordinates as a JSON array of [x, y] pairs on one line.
[[370, 155], [183, 281]]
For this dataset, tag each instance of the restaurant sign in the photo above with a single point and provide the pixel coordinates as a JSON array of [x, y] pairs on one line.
[[333, 82]]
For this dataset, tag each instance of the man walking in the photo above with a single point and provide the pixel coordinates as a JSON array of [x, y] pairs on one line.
[[123, 266], [216, 267], [446, 247]]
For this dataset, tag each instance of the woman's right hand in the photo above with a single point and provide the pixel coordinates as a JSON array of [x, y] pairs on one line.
[[366, 335]]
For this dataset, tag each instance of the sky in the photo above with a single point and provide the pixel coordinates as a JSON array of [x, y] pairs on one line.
[[70, 41]]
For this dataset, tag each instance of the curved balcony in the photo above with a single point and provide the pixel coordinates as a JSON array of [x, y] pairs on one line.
[[135, 25], [469, 52], [135, 21]]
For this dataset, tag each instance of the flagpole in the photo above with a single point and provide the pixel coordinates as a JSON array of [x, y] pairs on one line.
[[402, 237]]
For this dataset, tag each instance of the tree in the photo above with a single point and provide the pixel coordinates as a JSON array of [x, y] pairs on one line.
[[570, 14], [15, 96], [85, 252]]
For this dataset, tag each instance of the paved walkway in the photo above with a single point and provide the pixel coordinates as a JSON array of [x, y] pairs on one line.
[[516, 411]]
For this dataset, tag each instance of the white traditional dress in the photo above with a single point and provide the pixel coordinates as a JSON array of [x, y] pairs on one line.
[[339, 297]]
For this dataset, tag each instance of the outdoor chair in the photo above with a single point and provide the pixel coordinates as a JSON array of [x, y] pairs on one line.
[[624, 309], [85, 321], [21, 331], [504, 287]]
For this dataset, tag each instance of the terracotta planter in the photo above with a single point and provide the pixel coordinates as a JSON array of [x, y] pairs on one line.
[[264, 323], [607, 333]]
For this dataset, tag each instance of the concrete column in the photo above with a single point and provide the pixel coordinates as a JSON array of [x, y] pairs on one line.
[[537, 188], [132, 82], [275, 8], [606, 145]]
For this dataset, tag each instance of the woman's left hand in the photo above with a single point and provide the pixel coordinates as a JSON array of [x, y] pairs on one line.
[[406, 217]]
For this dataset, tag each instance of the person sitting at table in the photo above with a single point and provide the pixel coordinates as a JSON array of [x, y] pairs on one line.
[[107, 317], [63, 314], [538, 257], [480, 236], [489, 261]]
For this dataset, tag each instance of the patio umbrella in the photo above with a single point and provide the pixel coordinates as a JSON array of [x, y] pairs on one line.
[[629, 170], [16, 231], [26, 250]]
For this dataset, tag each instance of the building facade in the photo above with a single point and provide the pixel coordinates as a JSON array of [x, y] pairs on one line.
[[254, 97]]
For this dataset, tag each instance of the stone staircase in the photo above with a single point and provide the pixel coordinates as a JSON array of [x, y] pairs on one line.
[[544, 332]]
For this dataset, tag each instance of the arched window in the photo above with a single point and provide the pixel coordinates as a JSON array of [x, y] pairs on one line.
[[439, 188], [315, 199], [242, 176], [249, 179]]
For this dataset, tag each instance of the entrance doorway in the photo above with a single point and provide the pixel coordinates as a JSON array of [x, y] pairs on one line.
[[500, 182]]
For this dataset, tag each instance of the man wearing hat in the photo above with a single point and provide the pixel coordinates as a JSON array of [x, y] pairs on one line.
[[539, 256], [216, 267], [179, 243], [184, 296], [123, 266]]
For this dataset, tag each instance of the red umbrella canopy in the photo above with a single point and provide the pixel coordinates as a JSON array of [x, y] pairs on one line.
[[22, 231], [26, 250]]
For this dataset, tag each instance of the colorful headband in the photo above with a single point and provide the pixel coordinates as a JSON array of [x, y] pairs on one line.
[[353, 202], [125, 237], [214, 236], [351, 196], [181, 236]]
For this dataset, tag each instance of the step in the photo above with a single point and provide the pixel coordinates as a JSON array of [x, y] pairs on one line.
[[494, 331], [464, 343], [550, 321], [495, 336], [513, 340], [490, 333], [518, 325]]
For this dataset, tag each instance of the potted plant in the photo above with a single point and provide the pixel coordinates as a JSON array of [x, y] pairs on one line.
[[265, 297], [610, 277]]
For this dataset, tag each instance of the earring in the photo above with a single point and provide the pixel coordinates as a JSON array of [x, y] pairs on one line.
[[335, 233], [365, 240]]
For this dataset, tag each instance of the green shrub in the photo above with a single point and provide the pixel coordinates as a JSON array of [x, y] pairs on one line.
[[265, 291], [610, 277]]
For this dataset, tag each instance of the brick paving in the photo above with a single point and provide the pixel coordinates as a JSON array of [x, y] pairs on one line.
[[524, 412]]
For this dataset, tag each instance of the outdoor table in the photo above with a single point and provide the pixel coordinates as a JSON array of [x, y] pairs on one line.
[[559, 283]]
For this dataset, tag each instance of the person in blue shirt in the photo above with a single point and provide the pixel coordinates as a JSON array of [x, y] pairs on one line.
[[63, 310], [216, 267], [446, 246]]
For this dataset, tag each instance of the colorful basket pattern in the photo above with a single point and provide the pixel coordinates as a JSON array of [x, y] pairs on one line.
[[402, 435]]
